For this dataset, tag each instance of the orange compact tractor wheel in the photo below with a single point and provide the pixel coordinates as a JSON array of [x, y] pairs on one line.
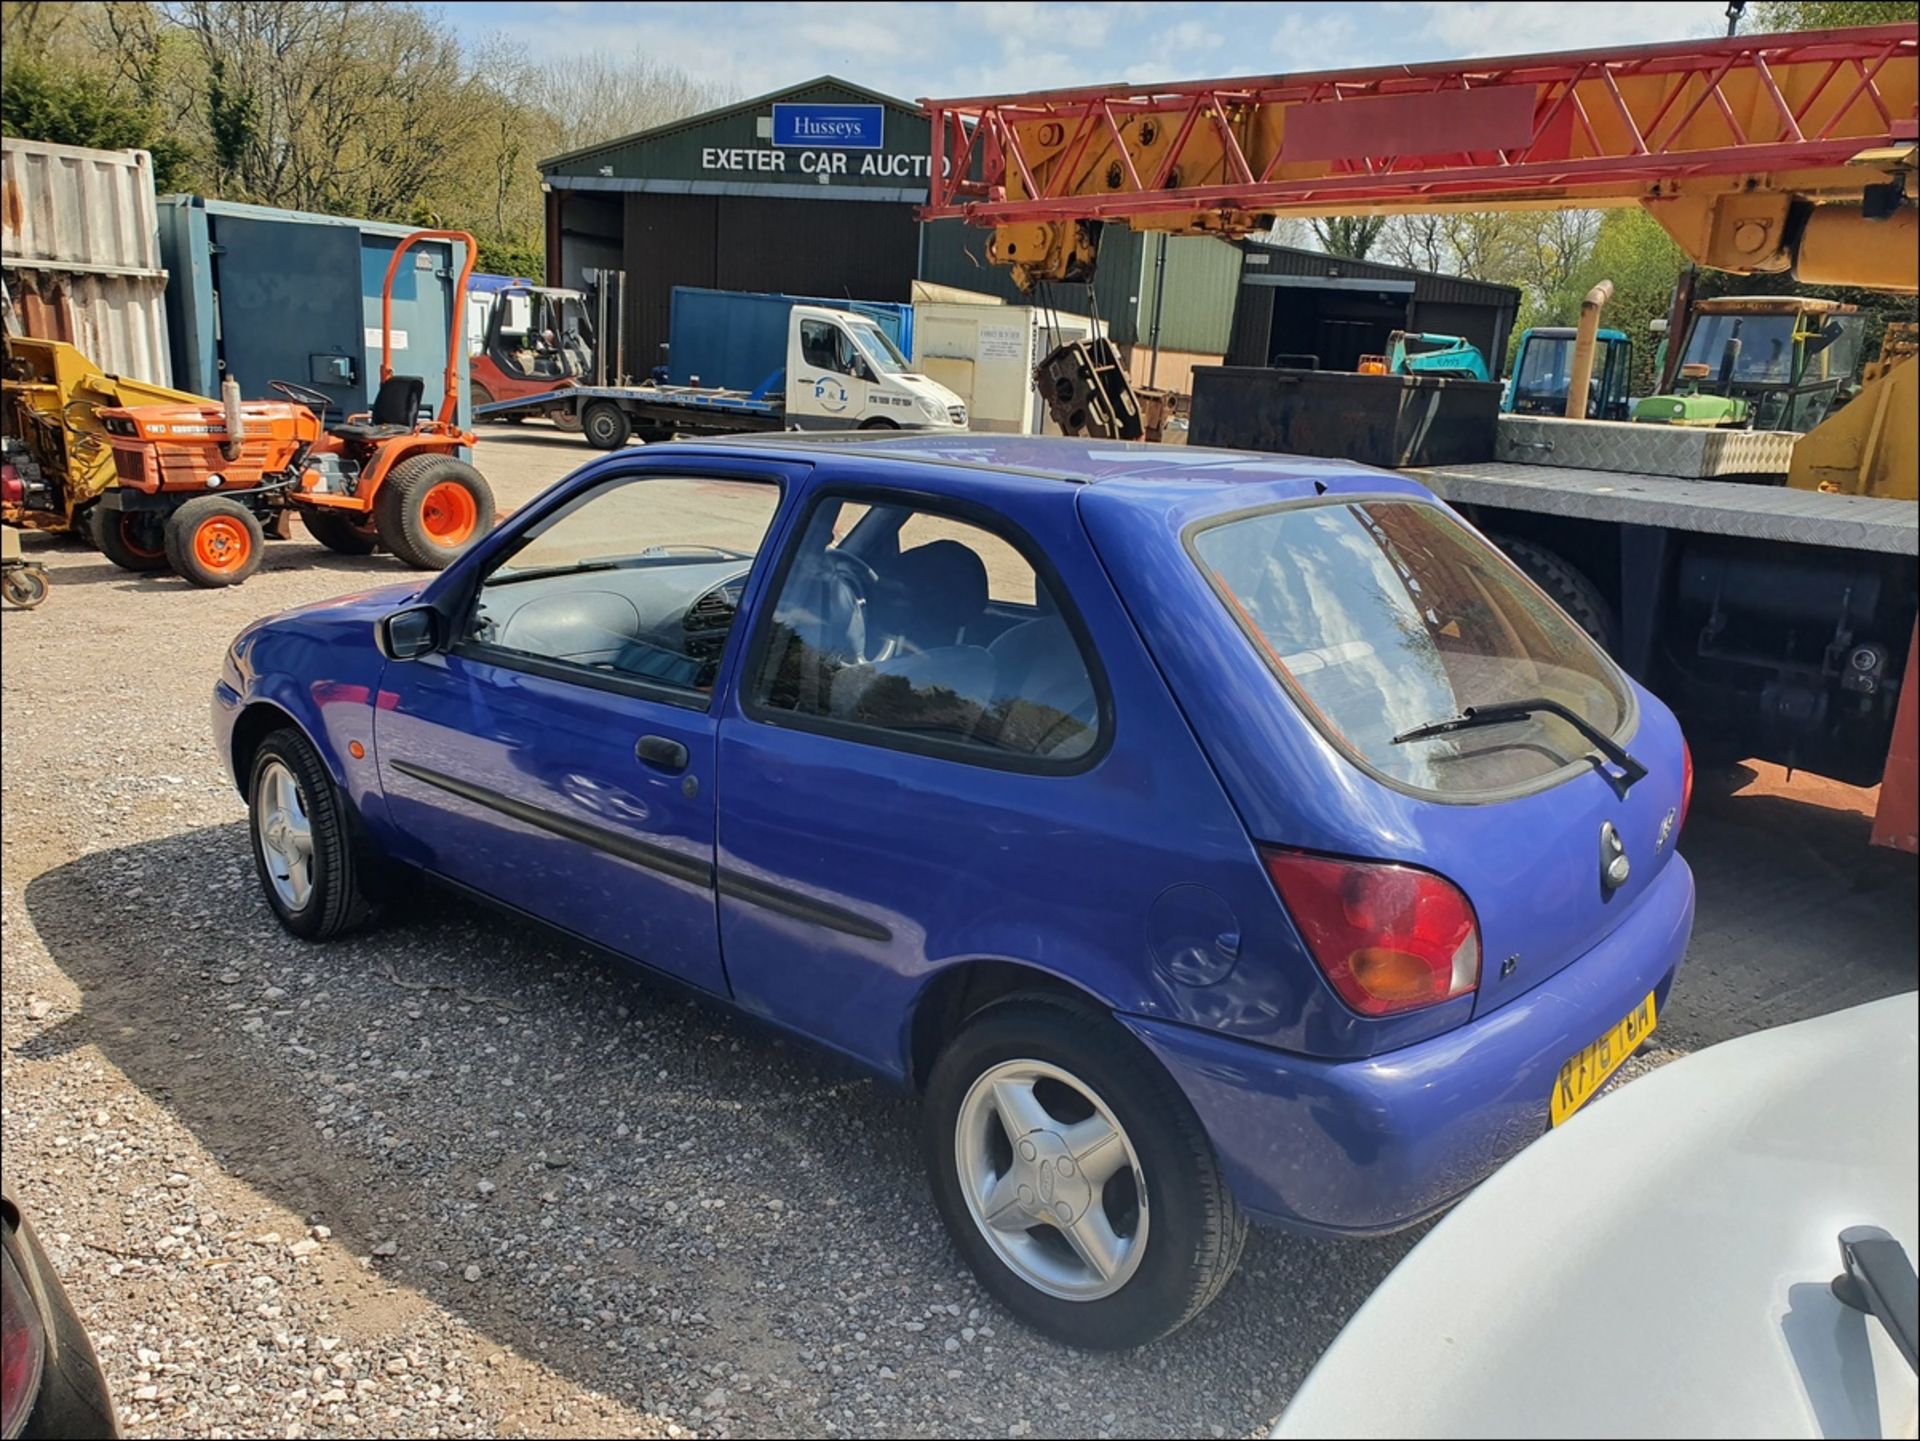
[[431, 508], [131, 539], [344, 533], [213, 541], [448, 514]]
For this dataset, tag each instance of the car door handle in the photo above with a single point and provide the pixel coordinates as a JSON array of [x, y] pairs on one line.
[[661, 752]]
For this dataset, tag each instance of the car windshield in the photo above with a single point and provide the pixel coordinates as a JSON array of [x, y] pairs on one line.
[[1386, 615], [1544, 368], [880, 351], [1766, 347]]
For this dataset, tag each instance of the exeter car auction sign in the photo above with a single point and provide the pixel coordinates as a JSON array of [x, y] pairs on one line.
[[830, 127]]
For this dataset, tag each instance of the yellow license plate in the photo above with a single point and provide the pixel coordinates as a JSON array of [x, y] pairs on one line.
[[1587, 1072]]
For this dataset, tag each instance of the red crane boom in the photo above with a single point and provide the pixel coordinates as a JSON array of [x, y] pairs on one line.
[[1717, 137]]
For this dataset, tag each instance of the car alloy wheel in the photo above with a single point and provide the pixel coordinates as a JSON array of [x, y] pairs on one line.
[[1051, 1179], [286, 836]]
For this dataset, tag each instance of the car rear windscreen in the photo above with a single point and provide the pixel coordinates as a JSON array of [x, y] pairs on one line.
[[1387, 615]]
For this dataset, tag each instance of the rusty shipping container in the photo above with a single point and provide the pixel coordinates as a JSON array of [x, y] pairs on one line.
[[81, 250]]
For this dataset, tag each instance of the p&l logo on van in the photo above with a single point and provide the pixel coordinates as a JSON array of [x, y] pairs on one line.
[[830, 127], [831, 394]]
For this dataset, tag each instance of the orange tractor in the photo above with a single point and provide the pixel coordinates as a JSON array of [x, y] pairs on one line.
[[202, 485]]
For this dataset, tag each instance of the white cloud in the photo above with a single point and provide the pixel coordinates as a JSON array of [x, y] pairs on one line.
[[1321, 38], [938, 48], [1189, 36], [1476, 28]]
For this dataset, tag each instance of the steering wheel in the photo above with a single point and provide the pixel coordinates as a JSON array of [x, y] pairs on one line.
[[846, 582], [318, 401]]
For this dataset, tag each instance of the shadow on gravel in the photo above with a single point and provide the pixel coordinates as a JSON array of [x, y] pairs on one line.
[[648, 1187], [1798, 915]]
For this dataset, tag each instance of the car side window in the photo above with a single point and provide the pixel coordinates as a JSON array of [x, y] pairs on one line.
[[639, 579], [928, 628], [826, 346]]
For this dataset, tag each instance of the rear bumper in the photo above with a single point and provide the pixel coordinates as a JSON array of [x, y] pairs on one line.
[[72, 1399], [1369, 1146]]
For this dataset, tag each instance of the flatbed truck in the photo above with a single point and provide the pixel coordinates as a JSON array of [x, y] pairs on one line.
[[825, 368]]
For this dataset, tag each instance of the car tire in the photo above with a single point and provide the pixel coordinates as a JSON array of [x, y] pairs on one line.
[[431, 508], [605, 425], [214, 541], [326, 897], [1086, 1073], [1571, 591], [132, 539], [341, 532], [566, 420], [879, 422]]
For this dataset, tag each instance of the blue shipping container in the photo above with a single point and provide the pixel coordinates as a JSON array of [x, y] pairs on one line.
[[737, 339], [263, 294]]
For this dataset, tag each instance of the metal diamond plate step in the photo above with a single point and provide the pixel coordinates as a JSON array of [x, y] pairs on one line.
[[1683, 452]]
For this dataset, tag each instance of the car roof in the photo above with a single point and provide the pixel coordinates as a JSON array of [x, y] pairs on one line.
[[1075, 459]]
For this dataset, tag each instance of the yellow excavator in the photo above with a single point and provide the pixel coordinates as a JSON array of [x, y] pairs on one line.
[[1779, 623], [57, 459]]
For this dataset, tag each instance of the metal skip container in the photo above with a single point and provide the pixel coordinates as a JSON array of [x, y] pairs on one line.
[[81, 251], [1390, 421], [262, 294]]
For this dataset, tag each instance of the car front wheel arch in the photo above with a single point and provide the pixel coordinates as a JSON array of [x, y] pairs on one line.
[[258, 721]]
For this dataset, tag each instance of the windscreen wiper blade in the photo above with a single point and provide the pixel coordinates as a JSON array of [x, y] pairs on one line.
[[1474, 716], [547, 572]]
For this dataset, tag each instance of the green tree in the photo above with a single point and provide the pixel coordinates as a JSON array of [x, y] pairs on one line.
[[512, 255], [1632, 250], [1781, 16], [1349, 236], [347, 107], [42, 101]]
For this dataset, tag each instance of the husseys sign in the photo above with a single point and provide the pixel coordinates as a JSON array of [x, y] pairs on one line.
[[830, 127]]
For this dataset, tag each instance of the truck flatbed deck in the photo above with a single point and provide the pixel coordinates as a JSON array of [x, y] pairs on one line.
[[679, 397], [1713, 507]]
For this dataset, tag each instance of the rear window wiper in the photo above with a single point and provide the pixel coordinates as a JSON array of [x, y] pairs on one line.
[[1485, 715]]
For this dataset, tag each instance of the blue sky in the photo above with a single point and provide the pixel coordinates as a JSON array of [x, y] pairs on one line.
[[942, 49]]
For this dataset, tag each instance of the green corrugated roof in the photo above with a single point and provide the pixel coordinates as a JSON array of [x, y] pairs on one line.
[[826, 87]]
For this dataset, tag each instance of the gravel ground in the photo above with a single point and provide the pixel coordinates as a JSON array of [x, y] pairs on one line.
[[453, 1177]]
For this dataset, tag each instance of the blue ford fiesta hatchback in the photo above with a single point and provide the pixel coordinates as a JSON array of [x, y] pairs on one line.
[[1204, 835]]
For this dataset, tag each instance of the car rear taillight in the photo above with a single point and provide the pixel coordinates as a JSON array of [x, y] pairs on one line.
[[23, 1348], [1686, 787], [1388, 938]]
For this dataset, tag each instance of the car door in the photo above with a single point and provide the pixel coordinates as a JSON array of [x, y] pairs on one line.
[[829, 385], [558, 754]]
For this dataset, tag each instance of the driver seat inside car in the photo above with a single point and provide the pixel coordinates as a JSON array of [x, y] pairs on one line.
[[935, 592]]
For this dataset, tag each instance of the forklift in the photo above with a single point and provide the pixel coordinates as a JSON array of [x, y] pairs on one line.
[[208, 480], [537, 340]]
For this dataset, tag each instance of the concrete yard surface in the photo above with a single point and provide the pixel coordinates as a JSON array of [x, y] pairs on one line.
[[453, 1176]]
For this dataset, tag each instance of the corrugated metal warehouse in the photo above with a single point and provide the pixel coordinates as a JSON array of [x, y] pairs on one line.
[[1294, 304], [812, 191]]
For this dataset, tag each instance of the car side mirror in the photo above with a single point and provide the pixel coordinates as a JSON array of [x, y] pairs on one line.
[[409, 634]]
